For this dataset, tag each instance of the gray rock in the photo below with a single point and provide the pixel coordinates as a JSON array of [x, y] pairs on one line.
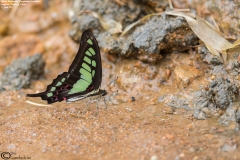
[[157, 34], [82, 23], [200, 115], [107, 9], [178, 102], [224, 92], [220, 96], [145, 41], [229, 147], [11, 146], [110, 9], [230, 114], [202, 99], [19, 73], [210, 58], [238, 115], [161, 98]]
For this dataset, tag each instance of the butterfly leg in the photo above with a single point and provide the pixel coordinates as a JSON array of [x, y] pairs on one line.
[[97, 113], [104, 100], [97, 105], [89, 100]]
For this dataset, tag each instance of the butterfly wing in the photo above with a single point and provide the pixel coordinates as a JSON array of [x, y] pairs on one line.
[[84, 75], [88, 56]]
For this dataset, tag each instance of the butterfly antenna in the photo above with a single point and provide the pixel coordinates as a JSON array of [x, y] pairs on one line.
[[114, 80]]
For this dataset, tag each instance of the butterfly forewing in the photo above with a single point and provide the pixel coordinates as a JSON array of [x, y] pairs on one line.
[[83, 77]]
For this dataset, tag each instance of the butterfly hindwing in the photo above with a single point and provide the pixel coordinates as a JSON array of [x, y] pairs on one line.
[[83, 77], [55, 89]]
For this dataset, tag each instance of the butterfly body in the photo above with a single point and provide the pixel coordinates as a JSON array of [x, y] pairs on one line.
[[83, 78], [76, 98]]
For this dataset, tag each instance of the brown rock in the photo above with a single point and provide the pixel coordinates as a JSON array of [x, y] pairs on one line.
[[169, 110], [185, 74], [13, 47], [4, 25], [3, 28]]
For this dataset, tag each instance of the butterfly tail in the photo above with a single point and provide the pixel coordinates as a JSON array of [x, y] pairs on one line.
[[36, 95], [50, 99]]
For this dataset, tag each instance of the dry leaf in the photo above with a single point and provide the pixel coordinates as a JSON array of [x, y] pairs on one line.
[[213, 51], [129, 27], [108, 24], [236, 43], [205, 31], [211, 36]]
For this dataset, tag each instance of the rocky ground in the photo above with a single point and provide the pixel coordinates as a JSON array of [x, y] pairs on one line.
[[173, 98]]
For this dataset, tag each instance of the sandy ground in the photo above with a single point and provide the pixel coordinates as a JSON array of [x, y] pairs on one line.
[[135, 130], [140, 129]]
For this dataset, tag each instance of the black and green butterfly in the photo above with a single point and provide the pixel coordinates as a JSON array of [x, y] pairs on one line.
[[83, 78]]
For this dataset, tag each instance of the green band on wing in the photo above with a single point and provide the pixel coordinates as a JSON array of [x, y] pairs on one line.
[[82, 82], [89, 41], [92, 51], [59, 84], [63, 79], [53, 89], [76, 89], [86, 74], [93, 73], [86, 59], [80, 86], [85, 66], [71, 92], [94, 63], [88, 53], [49, 94], [87, 80]]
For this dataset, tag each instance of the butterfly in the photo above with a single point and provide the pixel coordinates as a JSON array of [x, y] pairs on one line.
[[83, 78]]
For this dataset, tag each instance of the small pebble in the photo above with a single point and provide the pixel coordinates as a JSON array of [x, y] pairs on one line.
[[153, 103], [195, 158], [206, 110], [34, 134], [129, 109], [201, 116], [161, 99], [229, 147], [11, 146], [147, 98], [169, 110], [133, 99], [191, 149], [237, 129], [212, 77], [72, 109], [154, 157], [181, 155]]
